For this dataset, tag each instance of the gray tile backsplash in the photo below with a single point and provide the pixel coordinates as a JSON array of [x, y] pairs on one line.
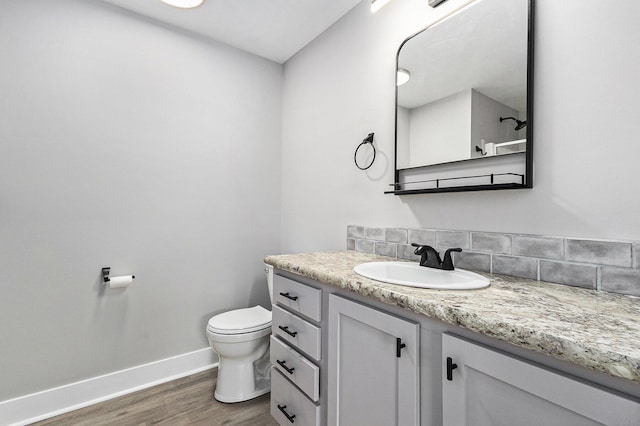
[[365, 246], [600, 252], [407, 252], [594, 264], [453, 239], [385, 249], [374, 234], [474, 261], [525, 267], [492, 243], [395, 235], [569, 273], [422, 236], [543, 247], [619, 280], [355, 231]]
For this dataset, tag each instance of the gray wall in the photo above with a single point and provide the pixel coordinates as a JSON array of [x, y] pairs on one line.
[[341, 87], [124, 143], [440, 130]]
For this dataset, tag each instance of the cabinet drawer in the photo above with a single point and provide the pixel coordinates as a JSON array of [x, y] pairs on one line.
[[286, 398], [302, 372], [298, 297], [298, 332]]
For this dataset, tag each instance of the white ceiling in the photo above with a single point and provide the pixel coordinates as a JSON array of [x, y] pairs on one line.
[[274, 29]]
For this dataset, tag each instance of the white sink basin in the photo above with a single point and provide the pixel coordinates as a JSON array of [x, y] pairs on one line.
[[414, 275]]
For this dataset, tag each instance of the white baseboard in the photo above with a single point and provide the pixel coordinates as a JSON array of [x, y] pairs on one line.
[[52, 402]]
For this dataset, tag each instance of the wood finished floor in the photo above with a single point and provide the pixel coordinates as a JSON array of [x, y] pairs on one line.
[[186, 401]]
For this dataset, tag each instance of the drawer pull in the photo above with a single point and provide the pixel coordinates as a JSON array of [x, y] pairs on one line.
[[287, 415], [288, 296], [286, 330], [284, 365], [450, 367], [399, 347]]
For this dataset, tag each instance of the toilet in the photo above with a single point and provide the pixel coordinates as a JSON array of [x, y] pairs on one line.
[[241, 340]]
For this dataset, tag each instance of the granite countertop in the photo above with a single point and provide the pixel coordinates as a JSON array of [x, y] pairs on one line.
[[597, 330]]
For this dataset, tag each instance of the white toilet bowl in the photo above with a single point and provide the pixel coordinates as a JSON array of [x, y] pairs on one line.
[[241, 340]]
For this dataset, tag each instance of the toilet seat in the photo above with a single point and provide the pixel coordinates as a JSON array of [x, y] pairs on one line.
[[240, 321]]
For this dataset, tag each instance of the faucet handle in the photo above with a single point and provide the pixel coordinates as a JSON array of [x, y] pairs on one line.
[[447, 263], [429, 256], [419, 248], [423, 248]]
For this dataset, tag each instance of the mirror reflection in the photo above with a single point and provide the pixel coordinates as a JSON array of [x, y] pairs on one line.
[[462, 86]]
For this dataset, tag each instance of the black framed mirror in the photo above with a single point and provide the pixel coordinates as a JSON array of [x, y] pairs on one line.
[[464, 112]]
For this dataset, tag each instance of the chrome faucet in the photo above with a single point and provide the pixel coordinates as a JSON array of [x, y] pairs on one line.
[[430, 257]]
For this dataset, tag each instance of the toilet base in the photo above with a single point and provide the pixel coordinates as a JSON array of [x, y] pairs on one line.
[[240, 378], [241, 398]]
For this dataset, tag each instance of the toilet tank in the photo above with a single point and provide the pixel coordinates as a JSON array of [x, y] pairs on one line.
[[268, 269]]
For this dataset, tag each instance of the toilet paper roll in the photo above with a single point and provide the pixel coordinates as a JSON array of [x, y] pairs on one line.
[[119, 282]]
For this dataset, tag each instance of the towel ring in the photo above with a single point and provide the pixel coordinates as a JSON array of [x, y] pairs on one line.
[[365, 141]]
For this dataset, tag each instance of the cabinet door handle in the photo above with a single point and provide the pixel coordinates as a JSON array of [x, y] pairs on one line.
[[288, 296], [450, 367], [283, 364], [289, 417], [399, 346], [286, 330]]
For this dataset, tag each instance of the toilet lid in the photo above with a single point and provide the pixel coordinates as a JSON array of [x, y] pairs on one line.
[[240, 321]]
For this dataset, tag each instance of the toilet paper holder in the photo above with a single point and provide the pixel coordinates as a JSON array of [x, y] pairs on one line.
[[105, 274]]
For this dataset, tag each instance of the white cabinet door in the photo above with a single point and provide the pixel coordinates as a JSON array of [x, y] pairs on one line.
[[491, 388], [373, 366]]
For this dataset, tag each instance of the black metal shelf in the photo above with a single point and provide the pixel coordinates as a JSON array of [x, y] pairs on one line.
[[461, 188], [458, 189]]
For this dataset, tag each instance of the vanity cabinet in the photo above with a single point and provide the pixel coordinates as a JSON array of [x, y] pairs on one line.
[[340, 358], [483, 386], [296, 353], [373, 366]]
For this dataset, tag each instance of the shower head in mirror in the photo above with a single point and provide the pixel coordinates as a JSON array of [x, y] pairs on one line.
[[519, 124]]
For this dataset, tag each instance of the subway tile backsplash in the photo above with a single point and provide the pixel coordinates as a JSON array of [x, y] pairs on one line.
[[473, 261], [365, 246], [453, 239], [395, 235], [422, 236], [491, 243], [406, 252], [386, 249], [543, 247], [594, 264], [374, 234], [621, 280], [569, 273], [601, 252], [525, 267], [355, 231]]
